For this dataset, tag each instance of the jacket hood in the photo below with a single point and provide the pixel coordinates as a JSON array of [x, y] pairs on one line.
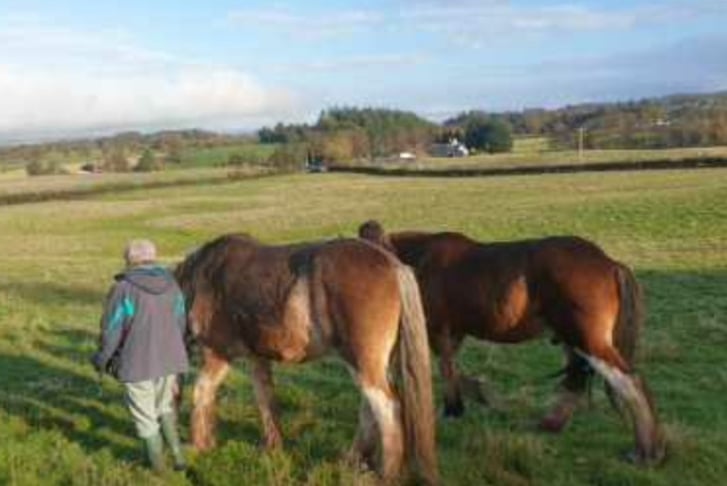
[[150, 279]]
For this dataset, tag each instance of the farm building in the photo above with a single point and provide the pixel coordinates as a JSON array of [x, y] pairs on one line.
[[453, 148]]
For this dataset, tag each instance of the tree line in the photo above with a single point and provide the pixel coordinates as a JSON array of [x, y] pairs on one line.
[[349, 134], [667, 122]]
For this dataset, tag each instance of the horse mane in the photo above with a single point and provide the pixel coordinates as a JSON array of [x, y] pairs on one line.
[[205, 260]]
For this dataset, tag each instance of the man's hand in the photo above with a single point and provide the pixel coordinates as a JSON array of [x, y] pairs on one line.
[[98, 363]]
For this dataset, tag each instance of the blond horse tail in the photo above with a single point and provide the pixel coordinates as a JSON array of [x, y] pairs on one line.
[[631, 315], [414, 382]]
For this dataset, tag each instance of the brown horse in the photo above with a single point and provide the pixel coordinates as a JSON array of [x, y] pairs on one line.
[[511, 292], [294, 304]]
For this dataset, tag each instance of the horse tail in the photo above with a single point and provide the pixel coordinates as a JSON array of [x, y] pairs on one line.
[[625, 385], [629, 323], [630, 320], [414, 383]]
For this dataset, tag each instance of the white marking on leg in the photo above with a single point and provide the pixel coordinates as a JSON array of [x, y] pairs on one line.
[[615, 377], [385, 409], [201, 395]]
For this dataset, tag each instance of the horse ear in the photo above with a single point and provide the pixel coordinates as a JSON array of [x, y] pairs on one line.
[[372, 231]]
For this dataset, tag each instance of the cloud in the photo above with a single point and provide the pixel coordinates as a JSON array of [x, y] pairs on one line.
[[60, 81], [356, 63], [311, 26], [471, 23], [37, 102]]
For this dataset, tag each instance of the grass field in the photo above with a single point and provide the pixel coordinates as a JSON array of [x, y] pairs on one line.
[[57, 259]]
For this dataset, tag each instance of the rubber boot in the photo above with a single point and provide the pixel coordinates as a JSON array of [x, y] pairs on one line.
[[153, 446], [169, 429]]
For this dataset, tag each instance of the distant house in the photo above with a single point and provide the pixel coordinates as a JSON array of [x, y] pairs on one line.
[[453, 148], [90, 168], [314, 164], [407, 156]]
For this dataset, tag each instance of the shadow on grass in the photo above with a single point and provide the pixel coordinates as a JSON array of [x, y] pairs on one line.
[[46, 396], [43, 293]]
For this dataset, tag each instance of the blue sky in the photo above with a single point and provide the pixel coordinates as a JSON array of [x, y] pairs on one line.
[[79, 67]]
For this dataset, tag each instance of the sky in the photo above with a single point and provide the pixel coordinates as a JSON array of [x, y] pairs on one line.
[[77, 68]]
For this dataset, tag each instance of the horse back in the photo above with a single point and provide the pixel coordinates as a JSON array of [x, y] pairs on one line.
[[505, 291]]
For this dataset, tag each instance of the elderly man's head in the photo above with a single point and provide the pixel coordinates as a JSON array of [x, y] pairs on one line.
[[140, 252]]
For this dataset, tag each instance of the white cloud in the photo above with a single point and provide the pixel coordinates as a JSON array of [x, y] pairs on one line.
[[60, 81], [40, 102]]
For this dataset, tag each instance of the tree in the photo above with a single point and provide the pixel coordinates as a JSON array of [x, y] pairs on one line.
[[488, 134], [289, 157], [147, 162], [114, 159], [37, 167]]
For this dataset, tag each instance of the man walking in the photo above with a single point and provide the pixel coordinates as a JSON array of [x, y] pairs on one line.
[[142, 345]]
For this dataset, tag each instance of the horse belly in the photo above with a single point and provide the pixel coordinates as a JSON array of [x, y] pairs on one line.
[[300, 336], [511, 318]]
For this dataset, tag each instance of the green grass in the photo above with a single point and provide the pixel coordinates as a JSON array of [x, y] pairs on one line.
[[57, 259]]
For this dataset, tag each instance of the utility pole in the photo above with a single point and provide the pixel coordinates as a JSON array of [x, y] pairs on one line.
[[580, 143]]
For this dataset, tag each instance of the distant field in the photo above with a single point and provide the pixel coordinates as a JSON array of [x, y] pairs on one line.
[[534, 152], [219, 156], [191, 157], [57, 259], [18, 186]]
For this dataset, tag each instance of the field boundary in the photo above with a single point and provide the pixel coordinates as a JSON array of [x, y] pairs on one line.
[[660, 164], [119, 187]]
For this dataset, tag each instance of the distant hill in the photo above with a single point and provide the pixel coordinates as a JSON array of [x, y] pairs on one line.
[[679, 120]]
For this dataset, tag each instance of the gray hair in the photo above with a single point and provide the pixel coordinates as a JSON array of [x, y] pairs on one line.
[[140, 251]]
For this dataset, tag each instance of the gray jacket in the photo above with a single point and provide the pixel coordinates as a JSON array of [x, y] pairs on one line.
[[143, 327]]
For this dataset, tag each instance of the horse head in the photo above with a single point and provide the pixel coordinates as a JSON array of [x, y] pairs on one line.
[[373, 232]]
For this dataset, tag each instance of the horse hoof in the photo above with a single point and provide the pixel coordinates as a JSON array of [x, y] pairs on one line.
[[453, 410], [554, 425], [646, 459]]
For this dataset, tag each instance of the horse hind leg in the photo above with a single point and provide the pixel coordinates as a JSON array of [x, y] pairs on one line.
[[578, 375], [262, 380], [453, 402], [213, 372], [363, 450], [386, 412], [632, 389]]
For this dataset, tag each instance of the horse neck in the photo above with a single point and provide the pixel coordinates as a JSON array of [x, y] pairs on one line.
[[410, 246]]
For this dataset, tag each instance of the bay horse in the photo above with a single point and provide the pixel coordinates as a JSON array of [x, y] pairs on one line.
[[295, 303], [510, 292]]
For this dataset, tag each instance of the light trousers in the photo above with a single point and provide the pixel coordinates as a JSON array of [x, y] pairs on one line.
[[147, 401]]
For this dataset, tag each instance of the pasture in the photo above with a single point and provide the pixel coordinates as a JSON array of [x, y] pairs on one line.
[[57, 426]]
